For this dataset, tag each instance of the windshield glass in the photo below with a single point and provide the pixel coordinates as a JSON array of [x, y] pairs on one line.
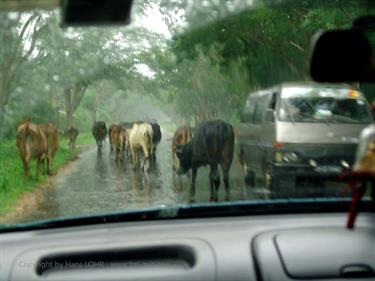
[[323, 105], [179, 108]]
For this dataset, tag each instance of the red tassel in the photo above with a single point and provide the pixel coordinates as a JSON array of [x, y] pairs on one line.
[[357, 193]]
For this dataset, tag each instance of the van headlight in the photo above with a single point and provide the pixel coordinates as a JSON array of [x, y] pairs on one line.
[[286, 157]]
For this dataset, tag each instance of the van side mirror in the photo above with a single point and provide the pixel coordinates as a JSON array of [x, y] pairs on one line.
[[270, 115]]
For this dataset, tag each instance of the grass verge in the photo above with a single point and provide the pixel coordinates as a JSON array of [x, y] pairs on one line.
[[12, 182]]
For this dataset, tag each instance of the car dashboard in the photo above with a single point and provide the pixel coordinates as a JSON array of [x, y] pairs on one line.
[[262, 247]]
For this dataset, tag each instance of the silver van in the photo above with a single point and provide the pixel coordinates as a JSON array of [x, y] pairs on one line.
[[298, 135]]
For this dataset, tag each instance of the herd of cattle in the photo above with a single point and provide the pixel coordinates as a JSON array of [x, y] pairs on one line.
[[130, 139], [211, 144]]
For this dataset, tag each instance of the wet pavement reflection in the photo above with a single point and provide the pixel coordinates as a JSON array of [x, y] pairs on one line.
[[97, 184]]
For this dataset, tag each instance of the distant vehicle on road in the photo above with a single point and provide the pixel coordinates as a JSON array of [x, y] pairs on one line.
[[300, 134]]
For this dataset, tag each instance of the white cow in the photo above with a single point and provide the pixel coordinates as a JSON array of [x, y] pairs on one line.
[[140, 140]]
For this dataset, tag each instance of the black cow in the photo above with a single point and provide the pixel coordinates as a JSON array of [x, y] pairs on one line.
[[212, 144], [156, 137], [99, 131]]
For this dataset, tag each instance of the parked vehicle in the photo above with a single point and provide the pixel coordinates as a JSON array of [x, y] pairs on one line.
[[300, 134]]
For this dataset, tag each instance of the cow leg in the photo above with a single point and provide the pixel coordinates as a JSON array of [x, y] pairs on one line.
[[110, 146], [25, 167], [49, 165], [100, 146], [226, 183], [44, 169], [97, 142], [214, 182], [116, 152], [38, 160], [146, 157], [173, 162], [192, 185], [134, 157], [188, 174]]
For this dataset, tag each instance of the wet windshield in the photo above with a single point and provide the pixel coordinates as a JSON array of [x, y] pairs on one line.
[[326, 105], [193, 102]]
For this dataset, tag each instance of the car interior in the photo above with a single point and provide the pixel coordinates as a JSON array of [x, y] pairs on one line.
[[290, 239]]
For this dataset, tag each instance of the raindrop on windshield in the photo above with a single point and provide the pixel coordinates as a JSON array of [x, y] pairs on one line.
[[106, 60], [56, 77], [82, 71], [13, 16], [69, 32], [206, 3], [47, 87]]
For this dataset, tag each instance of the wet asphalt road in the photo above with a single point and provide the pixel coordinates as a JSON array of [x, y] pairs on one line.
[[96, 184]]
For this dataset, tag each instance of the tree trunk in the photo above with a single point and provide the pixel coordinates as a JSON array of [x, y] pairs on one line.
[[73, 97], [93, 115], [95, 106], [69, 118]]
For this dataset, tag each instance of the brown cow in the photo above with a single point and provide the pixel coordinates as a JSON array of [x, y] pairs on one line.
[[52, 136], [140, 140], [127, 126], [117, 140], [72, 133], [181, 136], [32, 144]]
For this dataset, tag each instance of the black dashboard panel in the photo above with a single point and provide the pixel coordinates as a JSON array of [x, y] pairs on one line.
[[267, 247]]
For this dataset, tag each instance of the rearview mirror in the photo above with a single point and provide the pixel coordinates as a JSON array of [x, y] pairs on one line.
[[95, 12], [342, 56]]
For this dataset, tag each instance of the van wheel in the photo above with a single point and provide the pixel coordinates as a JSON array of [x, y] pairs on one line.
[[249, 178]]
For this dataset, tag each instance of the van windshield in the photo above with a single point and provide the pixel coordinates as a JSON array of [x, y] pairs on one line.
[[323, 105]]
